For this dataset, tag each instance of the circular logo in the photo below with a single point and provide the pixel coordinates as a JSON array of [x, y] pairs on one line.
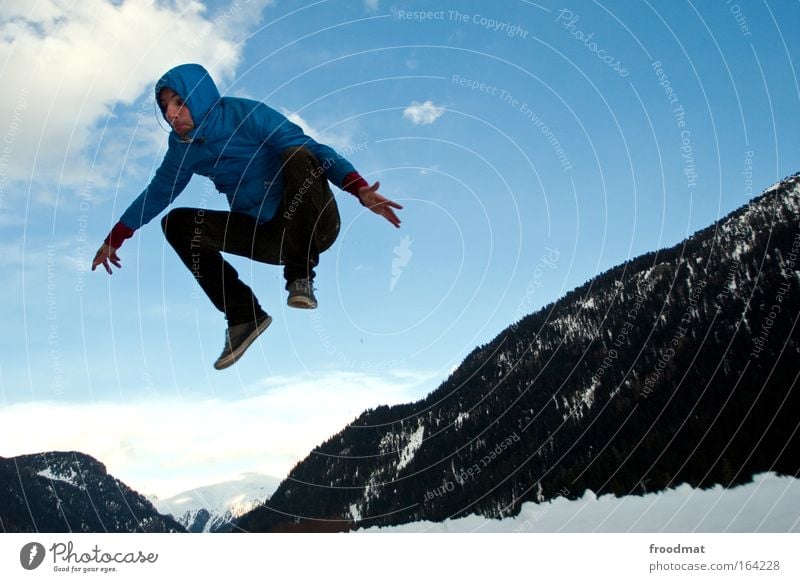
[[32, 555]]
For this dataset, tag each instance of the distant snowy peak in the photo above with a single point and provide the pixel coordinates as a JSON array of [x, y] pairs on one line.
[[214, 507]]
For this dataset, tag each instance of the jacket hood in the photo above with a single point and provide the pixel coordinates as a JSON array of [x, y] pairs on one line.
[[198, 90]]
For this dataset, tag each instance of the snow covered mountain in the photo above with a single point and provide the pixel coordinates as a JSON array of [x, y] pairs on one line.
[[215, 507], [72, 492], [679, 366]]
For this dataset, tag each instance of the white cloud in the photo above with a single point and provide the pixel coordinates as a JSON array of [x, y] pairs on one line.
[[70, 68], [238, 18], [371, 5], [423, 113], [340, 142], [168, 445]]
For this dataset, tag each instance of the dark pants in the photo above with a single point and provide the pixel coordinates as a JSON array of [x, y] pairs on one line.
[[305, 224]]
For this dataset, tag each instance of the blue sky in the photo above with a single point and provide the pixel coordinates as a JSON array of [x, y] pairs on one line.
[[533, 146]]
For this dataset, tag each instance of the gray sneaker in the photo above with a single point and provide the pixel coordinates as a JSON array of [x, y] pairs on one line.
[[301, 294], [238, 338]]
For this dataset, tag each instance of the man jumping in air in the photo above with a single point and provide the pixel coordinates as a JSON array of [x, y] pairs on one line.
[[276, 181]]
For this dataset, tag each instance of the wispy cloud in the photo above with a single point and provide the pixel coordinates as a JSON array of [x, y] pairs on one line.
[[371, 5], [71, 70], [400, 260], [338, 141], [423, 113], [167, 445]]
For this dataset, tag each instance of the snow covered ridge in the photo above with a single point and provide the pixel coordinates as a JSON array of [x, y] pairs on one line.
[[737, 232], [414, 443], [71, 477], [622, 385], [789, 182], [404, 445], [72, 492], [775, 200], [769, 504]]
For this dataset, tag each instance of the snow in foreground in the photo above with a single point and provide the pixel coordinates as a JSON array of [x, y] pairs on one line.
[[768, 504]]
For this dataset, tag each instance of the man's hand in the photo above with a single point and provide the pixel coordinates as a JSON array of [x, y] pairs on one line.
[[105, 254], [379, 204]]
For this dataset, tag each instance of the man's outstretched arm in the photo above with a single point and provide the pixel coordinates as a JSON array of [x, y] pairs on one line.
[[379, 204], [169, 181], [108, 250], [105, 254], [274, 128]]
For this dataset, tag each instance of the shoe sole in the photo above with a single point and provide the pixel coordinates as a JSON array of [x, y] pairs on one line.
[[301, 303], [234, 356]]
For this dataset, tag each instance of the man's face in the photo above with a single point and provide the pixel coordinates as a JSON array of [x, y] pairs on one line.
[[178, 115]]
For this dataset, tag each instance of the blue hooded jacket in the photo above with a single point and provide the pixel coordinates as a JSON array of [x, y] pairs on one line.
[[236, 142]]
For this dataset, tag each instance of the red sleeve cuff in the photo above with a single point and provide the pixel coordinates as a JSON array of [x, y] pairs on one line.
[[352, 182], [119, 234]]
